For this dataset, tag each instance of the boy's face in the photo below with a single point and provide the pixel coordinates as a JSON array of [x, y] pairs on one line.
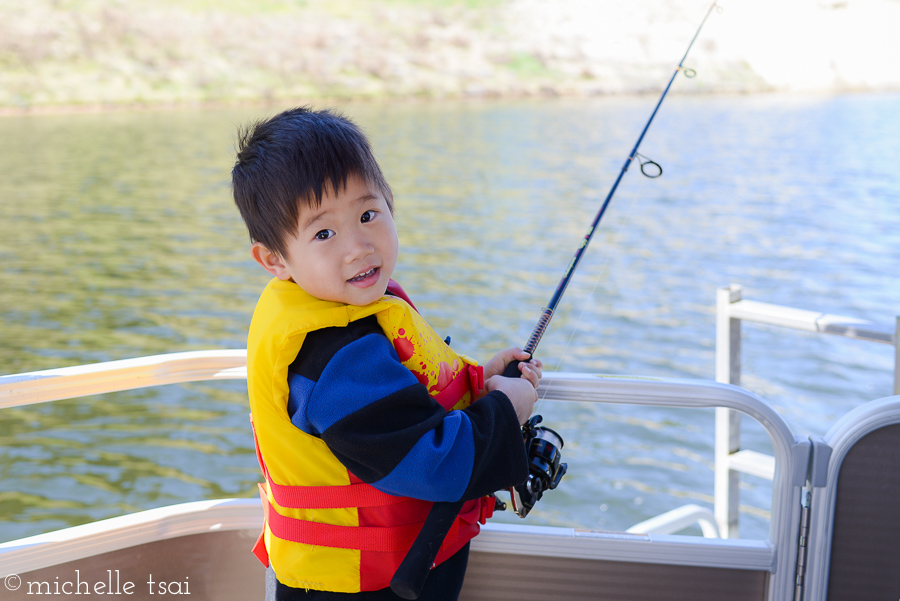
[[345, 250]]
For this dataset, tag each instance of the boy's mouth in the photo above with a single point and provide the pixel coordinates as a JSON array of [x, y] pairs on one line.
[[363, 276]]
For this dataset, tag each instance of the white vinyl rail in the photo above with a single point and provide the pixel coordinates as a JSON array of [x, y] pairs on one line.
[[677, 520], [127, 374], [173, 368], [645, 542], [731, 310]]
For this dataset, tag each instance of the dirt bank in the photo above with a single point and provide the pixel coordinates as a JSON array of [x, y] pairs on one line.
[[55, 53]]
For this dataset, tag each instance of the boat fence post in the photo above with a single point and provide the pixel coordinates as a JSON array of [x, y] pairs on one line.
[[728, 422]]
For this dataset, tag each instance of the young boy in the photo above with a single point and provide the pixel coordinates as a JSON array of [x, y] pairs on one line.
[[363, 416]]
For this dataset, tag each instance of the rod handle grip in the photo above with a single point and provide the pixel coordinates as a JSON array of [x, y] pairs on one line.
[[512, 370]]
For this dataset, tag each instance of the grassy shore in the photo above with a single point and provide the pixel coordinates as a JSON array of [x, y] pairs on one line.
[[108, 53]]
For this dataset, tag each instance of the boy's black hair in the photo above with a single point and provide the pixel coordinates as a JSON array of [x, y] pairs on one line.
[[293, 158]]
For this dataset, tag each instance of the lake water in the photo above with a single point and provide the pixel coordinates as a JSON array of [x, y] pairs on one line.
[[120, 240]]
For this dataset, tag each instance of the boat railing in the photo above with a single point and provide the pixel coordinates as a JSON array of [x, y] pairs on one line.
[[679, 519], [731, 310], [646, 543], [173, 368], [127, 374]]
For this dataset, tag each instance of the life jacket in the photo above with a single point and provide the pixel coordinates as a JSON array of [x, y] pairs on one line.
[[324, 528]]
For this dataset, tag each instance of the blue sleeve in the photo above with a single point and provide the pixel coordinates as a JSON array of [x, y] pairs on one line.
[[382, 424]]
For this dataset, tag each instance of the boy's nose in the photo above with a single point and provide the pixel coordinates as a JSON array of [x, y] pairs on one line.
[[360, 245]]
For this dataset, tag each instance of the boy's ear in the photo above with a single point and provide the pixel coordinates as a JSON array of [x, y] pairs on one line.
[[270, 261]]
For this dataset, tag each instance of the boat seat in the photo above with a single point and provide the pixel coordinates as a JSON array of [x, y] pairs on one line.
[[865, 551]]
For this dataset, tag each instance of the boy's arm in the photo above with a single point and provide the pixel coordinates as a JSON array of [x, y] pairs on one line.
[[351, 390]]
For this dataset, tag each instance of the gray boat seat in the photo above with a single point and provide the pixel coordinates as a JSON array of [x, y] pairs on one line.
[[865, 550], [859, 506]]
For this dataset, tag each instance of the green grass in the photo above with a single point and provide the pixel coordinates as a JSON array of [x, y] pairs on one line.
[[524, 63]]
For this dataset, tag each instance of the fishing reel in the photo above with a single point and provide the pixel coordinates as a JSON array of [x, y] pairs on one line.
[[544, 467]]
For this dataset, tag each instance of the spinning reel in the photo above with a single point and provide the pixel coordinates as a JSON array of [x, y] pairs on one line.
[[544, 469]]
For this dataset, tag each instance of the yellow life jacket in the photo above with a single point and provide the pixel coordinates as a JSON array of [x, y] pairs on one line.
[[325, 529]]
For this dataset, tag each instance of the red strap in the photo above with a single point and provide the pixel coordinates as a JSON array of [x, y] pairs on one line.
[[478, 511], [476, 379], [488, 504], [364, 538], [327, 497], [395, 289], [469, 379]]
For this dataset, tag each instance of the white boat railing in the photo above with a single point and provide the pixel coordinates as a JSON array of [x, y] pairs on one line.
[[172, 368], [730, 460], [679, 519], [648, 541], [128, 374]]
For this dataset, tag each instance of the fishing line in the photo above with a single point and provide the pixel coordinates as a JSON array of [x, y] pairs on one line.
[[607, 257], [577, 327]]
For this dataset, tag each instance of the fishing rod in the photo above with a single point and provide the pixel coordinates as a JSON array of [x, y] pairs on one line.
[[648, 168], [541, 443]]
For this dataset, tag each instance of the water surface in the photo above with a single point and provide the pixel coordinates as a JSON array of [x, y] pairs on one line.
[[120, 240]]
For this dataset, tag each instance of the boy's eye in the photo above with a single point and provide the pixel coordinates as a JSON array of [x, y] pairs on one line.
[[367, 216], [324, 234]]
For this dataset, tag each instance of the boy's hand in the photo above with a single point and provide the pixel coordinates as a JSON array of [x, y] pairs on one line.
[[497, 363], [522, 392]]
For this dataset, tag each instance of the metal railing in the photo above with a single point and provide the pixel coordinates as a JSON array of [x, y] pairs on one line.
[[730, 460], [82, 380]]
